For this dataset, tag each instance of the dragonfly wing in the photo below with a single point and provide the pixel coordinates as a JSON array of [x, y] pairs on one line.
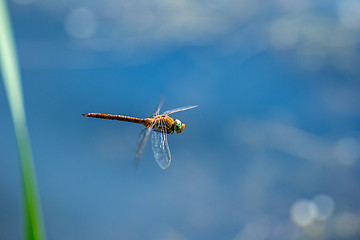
[[157, 111], [160, 147], [140, 143], [179, 109]]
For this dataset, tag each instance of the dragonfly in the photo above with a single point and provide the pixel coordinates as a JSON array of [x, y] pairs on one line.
[[159, 125]]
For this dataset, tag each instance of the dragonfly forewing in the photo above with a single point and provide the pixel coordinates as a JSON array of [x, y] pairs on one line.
[[160, 147], [179, 109], [157, 111]]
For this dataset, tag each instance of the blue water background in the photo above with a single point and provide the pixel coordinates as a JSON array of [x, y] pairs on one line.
[[277, 84]]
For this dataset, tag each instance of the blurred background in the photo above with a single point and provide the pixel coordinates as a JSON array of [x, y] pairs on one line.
[[272, 152]]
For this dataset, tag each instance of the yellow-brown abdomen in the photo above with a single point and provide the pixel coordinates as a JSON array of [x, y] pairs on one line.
[[118, 118]]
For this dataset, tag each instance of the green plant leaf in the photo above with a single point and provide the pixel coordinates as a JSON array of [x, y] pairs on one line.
[[33, 224]]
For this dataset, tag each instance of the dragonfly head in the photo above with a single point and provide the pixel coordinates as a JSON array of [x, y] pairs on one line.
[[178, 126]]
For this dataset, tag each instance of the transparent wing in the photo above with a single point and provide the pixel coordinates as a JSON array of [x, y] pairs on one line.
[[179, 109], [157, 111], [140, 143], [160, 147]]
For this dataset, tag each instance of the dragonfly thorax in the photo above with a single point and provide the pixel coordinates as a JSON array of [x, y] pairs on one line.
[[164, 123]]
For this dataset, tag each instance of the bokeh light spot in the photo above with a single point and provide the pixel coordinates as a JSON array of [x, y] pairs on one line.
[[303, 213], [80, 23], [347, 151], [325, 206]]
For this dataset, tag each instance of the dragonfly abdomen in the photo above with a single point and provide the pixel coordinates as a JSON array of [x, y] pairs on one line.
[[117, 117]]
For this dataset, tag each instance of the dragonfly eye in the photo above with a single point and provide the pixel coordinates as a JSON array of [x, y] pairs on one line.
[[178, 126]]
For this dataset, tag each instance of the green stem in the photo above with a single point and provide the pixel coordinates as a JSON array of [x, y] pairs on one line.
[[11, 76]]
